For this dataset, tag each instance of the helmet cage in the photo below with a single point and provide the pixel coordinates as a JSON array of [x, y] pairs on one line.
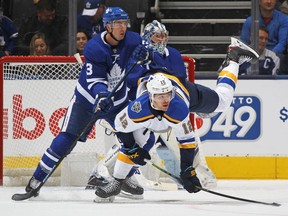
[[151, 30]]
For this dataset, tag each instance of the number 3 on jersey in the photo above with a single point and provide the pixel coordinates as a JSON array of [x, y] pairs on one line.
[[89, 70]]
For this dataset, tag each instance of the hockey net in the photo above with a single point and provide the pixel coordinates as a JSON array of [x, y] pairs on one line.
[[36, 92]]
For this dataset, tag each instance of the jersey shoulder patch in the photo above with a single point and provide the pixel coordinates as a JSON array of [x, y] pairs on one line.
[[138, 110]]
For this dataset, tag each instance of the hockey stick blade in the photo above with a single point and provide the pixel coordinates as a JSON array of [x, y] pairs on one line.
[[24, 196], [178, 179], [238, 198]]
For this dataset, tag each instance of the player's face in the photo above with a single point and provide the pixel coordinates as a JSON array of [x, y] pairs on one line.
[[119, 28], [159, 38], [162, 101]]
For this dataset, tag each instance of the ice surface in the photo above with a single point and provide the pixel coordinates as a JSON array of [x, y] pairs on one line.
[[70, 201]]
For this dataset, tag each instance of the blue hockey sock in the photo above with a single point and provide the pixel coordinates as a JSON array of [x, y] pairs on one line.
[[59, 148]]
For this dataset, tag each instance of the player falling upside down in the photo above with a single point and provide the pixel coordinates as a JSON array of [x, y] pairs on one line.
[[165, 102]]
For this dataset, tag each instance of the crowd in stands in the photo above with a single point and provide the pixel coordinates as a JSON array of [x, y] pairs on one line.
[[46, 32]]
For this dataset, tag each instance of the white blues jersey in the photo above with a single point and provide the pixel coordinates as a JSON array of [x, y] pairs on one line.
[[139, 114]]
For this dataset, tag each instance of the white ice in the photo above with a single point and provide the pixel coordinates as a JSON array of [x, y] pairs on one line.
[[59, 201]]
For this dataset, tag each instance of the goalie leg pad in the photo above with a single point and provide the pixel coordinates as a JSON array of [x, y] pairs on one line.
[[206, 177]]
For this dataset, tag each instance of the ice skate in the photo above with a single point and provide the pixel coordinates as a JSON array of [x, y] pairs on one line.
[[239, 52], [104, 200], [112, 188], [94, 182], [131, 189]]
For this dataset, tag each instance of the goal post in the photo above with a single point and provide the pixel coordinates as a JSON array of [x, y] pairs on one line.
[[35, 94]]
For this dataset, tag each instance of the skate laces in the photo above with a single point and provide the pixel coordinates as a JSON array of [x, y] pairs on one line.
[[130, 183], [111, 186]]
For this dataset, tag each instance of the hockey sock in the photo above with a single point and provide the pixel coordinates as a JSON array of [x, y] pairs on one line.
[[58, 149]]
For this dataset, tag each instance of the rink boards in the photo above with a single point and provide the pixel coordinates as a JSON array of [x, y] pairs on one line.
[[249, 141]]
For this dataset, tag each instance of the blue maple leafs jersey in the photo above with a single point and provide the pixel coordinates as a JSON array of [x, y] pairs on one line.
[[103, 68]]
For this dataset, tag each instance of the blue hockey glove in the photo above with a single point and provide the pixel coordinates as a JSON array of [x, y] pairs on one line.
[[138, 155], [190, 180], [140, 53], [102, 103]]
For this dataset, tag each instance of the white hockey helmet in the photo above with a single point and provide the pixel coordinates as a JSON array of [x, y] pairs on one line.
[[159, 84], [152, 29]]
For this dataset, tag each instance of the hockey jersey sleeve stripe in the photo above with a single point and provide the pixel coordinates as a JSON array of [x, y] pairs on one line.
[[143, 118], [85, 94], [171, 119], [228, 78], [94, 81], [124, 158], [187, 146]]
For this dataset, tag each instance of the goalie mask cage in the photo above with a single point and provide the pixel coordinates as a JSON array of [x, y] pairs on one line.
[[35, 94]]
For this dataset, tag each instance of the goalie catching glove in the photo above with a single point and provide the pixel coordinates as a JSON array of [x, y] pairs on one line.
[[190, 180], [103, 103]]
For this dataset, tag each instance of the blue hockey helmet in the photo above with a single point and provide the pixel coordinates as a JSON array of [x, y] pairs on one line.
[[114, 13], [157, 29]]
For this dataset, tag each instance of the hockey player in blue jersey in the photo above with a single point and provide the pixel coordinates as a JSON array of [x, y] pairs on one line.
[[106, 57], [163, 102]]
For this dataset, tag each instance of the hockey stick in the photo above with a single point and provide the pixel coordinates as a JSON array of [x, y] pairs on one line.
[[34, 192], [179, 180]]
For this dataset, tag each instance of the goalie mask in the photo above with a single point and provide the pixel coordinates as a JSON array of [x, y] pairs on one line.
[[157, 86], [156, 36]]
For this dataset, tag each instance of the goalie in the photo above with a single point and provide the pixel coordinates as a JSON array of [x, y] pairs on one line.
[[157, 108]]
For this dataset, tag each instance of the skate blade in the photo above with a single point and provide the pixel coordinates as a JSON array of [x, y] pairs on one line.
[[130, 196], [104, 200]]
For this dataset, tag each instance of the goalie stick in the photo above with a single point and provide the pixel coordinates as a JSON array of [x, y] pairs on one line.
[[179, 180], [34, 192]]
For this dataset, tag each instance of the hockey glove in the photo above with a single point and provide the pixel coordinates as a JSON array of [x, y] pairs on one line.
[[140, 53], [102, 103], [190, 180], [138, 156]]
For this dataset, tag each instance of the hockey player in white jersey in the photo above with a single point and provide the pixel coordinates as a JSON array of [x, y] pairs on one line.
[[167, 103]]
